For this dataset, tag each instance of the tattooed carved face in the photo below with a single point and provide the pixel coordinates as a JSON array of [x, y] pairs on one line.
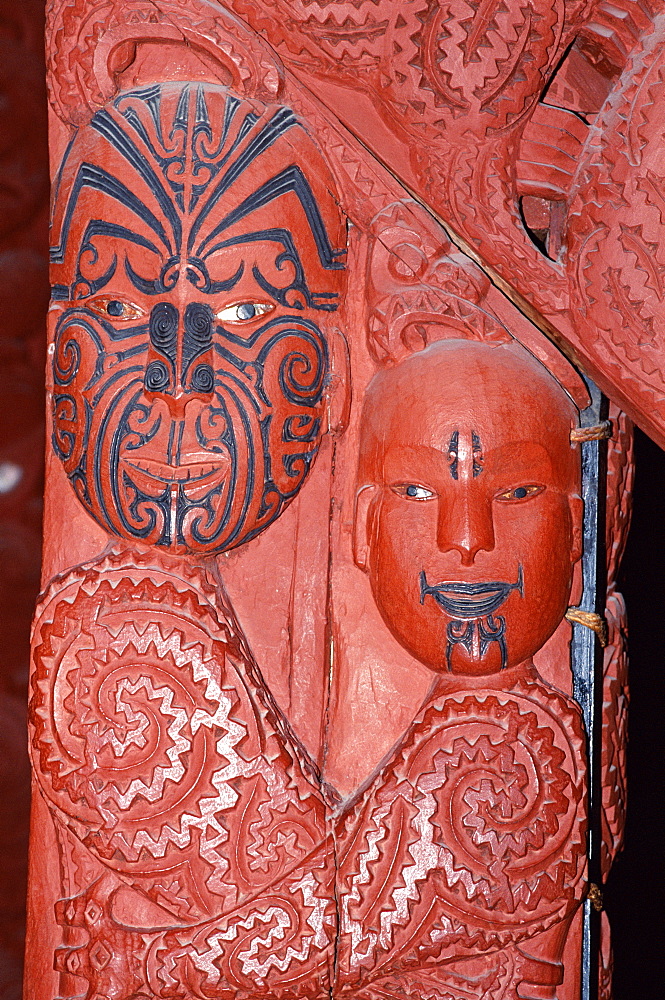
[[468, 513], [198, 252]]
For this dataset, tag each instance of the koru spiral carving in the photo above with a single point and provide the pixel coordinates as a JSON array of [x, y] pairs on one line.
[[481, 812], [146, 737], [160, 748], [436, 61]]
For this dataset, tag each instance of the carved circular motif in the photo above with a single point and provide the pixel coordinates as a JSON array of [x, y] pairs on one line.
[[475, 64], [421, 290]]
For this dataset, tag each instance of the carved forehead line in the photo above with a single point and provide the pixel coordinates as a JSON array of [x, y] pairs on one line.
[[393, 392], [281, 122], [108, 127], [395, 455], [290, 179], [96, 179]]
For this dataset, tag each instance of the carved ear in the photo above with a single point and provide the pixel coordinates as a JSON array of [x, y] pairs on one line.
[[338, 384], [576, 504], [362, 527]]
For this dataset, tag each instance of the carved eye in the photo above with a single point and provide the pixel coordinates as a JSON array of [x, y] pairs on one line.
[[243, 312], [118, 309], [520, 493], [412, 491]]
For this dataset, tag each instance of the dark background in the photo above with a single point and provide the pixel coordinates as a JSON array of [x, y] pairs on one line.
[[635, 891]]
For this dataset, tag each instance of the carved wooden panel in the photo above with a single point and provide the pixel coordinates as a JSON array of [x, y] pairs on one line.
[[302, 712], [532, 130]]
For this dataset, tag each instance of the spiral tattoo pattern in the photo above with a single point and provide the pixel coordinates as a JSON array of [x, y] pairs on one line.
[[255, 432], [190, 364]]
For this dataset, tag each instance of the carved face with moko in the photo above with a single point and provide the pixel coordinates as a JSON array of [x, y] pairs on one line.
[[468, 513], [198, 252]]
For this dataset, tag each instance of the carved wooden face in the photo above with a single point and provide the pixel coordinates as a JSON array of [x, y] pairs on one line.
[[199, 248], [468, 510]]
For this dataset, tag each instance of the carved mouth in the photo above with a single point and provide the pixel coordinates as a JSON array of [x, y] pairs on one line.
[[467, 601], [191, 474]]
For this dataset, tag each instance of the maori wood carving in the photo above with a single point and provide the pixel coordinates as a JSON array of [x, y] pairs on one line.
[[206, 402], [533, 131], [301, 706]]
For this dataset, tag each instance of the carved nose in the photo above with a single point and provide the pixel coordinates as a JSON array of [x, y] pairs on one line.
[[178, 364], [160, 375], [465, 524]]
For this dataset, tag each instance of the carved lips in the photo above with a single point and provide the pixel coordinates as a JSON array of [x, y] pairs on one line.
[[470, 600], [480, 486], [151, 477]]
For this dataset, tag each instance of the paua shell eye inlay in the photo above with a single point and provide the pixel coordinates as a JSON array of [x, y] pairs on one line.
[[244, 312], [115, 309]]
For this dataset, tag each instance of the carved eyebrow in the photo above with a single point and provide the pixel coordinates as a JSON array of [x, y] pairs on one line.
[[324, 301], [289, 180], [212, 287], [90, 176], [259, 236], [280, 236], [99, 227]]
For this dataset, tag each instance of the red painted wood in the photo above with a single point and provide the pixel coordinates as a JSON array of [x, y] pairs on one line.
[[492, 103], [301, 710]]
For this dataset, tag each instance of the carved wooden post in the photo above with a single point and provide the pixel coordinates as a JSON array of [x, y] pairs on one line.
[[302, 707]]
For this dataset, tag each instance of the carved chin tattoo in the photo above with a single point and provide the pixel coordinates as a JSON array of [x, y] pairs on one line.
[[189, 365], [471, 608]]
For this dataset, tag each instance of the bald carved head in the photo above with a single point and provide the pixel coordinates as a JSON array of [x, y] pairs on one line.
[[468, 510]]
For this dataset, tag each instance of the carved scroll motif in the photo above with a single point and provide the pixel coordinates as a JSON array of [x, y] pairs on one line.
[[498, 109], [190, 426], [160, 749], [239, 57], [615, 688]]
